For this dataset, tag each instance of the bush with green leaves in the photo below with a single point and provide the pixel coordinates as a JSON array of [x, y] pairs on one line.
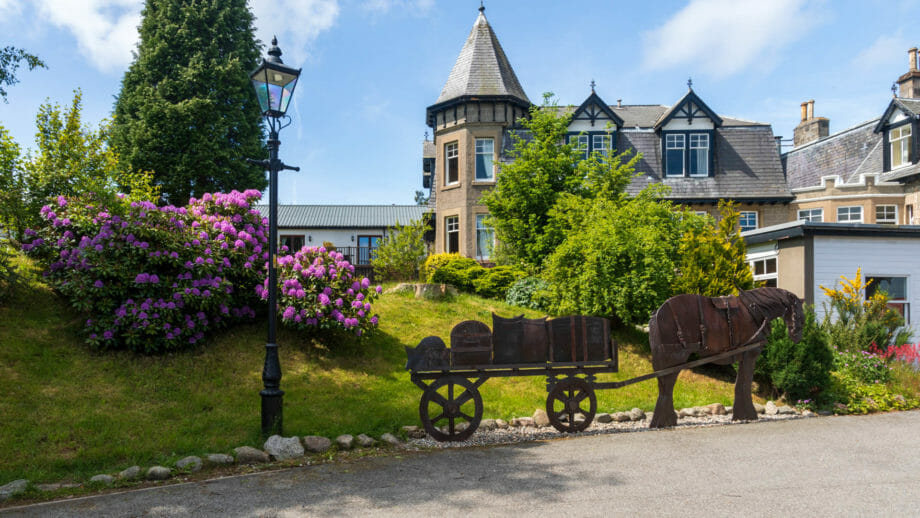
[[460, 272], [529, 292], [801, 371], [432, 263], [854, 396], [855, 322], [495, 282], [10, 279], [402, 252]]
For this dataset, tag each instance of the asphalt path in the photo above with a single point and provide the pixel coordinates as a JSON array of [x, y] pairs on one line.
[[830, 466]]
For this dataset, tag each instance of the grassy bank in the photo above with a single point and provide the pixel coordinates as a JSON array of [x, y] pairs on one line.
[[69, 413]]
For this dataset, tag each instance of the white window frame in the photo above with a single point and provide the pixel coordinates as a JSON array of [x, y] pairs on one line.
[[451, 152], [601, 144], [849, 214], [489, 174], [903, 303], [451, 226], [701, 138], [894, 211], [741, 216], [673, 141], [816, 215], [579, 145], [483, 229], [767, 262], [899, 145]]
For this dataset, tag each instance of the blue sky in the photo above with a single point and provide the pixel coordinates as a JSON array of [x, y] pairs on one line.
[[370, 68]]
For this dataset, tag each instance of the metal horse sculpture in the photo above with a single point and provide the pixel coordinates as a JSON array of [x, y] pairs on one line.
[[687, 324]]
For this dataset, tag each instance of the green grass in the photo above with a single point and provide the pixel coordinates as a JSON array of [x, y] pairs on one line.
[[67, 413]]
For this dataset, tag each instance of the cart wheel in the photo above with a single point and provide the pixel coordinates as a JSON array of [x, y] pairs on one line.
[[566, 399], [451, 408]]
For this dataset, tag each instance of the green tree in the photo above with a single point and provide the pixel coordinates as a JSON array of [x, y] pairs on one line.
[[10, 57], [801, 371], [420, 198], [187, 111], [543, 170], [12, 192], [402, 252], [712, 256]]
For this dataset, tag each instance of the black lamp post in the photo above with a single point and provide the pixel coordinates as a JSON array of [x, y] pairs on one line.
[[274, 83]]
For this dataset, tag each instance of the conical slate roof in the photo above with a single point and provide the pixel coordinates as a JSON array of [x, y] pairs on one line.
[[482, 69]]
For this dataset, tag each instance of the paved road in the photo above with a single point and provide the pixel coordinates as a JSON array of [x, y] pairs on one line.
[[821, 467]]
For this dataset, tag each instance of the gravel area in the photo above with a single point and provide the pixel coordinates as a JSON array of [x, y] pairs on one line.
[[511, 435]]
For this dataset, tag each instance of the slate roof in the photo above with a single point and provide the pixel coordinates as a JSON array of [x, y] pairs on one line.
[[345, 216], [847, 154], [647, 115], [482, 69]]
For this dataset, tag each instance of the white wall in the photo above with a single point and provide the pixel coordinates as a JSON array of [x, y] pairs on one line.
[[338, 237], [835, 256]]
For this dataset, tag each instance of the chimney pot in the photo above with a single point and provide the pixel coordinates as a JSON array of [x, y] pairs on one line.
[[619, 103], [811, 109], [912, 59], [804, 111]]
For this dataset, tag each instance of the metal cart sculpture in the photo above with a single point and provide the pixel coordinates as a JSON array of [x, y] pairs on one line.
[[571, 351]]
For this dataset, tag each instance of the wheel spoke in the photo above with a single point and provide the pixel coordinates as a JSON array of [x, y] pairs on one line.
[[450, 391], [466, 396], [451, 425], [436, 419], [438, 398], [468, 418], [581, 396]]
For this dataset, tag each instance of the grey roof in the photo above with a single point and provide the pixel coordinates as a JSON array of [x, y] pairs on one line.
[[482, 69], [911, 105], [746, 167], [794, 229], [345, 216], [847, 154], [647, 115]]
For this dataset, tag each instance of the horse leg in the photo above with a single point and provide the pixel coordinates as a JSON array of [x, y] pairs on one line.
[[664, 415], [743, 409]]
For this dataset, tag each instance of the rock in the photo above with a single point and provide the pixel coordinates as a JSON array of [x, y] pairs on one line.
[[603, 417], [458, 427], [488, 424], [522, 421], [365, 441], [250, 455], [434, 291], [316, 444], [686, 412], [190, 463], [808, 413], [770, 408], [158, 473], [759, 408], [785, 410], [636, 414], [620, 417], [345, 442], [501, 423], [219, 458], [403, 287], [391, 439], [102, 479], [729, 409], [825, 412], [130, 473], [540, 418], [283, 448], [13, 488], [579, 418], [416, 432], [717, 409]]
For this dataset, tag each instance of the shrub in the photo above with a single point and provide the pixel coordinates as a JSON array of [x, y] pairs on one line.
[[401, 252], [495, 282], [432, 263], [856, 397], [9, 276], [150, 278], [854, 323], [801, 371], [458, 271], [862, 366], [529, 292]]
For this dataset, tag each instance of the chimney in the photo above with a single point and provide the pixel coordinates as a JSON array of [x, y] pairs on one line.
[[779, 144], [909, 83], [619, 103], [811, 128]]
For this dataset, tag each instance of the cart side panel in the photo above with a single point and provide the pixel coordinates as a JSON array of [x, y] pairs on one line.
[[470, 344]]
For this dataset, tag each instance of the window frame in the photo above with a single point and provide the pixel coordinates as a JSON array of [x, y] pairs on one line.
[[668, 137], [581, 144], [451, 229], [606, 141], [690, 148], [490, 174], [294, 238], [901, 305], [482, 228], [451, 154], [741, 215], [893, 220], [849, 210], [765, 275], [904, 142], [811, 215]]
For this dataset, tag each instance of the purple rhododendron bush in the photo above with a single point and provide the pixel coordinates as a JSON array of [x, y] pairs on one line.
[[156, 279]]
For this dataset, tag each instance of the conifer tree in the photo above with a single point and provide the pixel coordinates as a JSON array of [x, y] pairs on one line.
[[187, 111]]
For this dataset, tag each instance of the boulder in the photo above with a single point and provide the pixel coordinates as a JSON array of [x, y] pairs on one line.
[[283, 448], [522, 421], [808, 413], [316, 444], [130, 473], [759, 408], [785, 410], [391, 439], [488, 424], [250, 455], [417, 432], [729, 409], [501, 423], [365, 441], [825, 413], [434, 291], [717, 409], [102, 479], [13, 488], [770, 408], [540, 418], [190, 463], [603, 417], [620, 417], [345, 442], [158, 473], [219, 458], [403, 287], [636, 414]]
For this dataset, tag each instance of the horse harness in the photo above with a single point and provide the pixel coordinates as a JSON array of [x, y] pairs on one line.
[[728, 304]]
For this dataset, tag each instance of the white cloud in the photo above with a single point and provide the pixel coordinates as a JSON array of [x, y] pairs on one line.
[[9, 7], [384, 6], [884, 53], [296, 23], [725, 37], [106, 30]]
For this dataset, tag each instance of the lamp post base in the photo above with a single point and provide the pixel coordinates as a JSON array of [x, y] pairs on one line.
[[272, 400]]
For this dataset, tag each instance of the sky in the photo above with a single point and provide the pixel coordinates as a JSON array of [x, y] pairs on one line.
[[371, 67]]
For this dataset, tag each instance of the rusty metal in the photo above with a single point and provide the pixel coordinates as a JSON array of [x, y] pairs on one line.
[[579, 338], [470, 344], [727, 327], [567, 400], [452, 419], [519, 340]]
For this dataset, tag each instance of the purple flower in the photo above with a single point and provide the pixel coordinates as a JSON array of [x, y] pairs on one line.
[[142, 278], [288, 313], [339, 302], [374, 320], [98, 284], [378, 288], [323, 299]]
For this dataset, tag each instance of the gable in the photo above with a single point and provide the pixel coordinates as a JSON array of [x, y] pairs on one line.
[[689, 113], [594, 115], [896, 112]]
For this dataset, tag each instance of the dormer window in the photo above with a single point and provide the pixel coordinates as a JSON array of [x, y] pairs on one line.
[[601, 144], [687, 154], [579, 145], [699, 154], [899, 140], [674, 154]]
